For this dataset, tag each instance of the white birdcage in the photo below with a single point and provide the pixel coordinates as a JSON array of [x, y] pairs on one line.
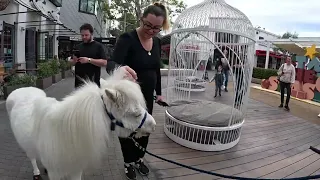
[[203, 33]]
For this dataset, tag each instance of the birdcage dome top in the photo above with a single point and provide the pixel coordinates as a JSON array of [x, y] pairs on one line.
[[214, 14]]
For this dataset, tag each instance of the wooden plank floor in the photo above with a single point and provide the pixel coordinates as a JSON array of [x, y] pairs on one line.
[[273, 144]]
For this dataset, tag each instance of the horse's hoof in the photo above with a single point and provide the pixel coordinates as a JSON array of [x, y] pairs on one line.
[[37, 177], [45, 171]]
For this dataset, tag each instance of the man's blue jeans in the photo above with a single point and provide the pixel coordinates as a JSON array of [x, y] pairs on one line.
[[226, 78]]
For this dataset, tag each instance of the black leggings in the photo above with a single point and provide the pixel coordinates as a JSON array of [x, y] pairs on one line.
[[286, 86], [129, 151]]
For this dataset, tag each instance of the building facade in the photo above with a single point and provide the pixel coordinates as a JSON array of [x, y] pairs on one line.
[[29, 31], [263, 46]]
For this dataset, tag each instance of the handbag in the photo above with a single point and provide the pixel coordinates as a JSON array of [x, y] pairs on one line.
[[278, 77]]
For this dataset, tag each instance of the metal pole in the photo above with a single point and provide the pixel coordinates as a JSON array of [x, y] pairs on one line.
[[267, 55]]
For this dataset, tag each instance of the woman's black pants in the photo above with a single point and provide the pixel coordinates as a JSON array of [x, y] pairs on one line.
[[129, 151], [286, 86]]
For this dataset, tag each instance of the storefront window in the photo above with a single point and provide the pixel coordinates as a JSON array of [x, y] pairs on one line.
[[6, 46], [87, 6], [30, 48], [45, 47]]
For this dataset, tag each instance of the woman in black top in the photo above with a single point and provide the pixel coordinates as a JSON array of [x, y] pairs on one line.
[[141, 51]]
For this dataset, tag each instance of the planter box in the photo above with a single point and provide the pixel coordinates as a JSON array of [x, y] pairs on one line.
[[68, 73], [44, 83], [9, 89], [63, 74], [56, 78]]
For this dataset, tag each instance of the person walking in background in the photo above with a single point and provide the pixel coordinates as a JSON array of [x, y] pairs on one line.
[[218, 79], [140, 49], [225, 69], [287, 75]]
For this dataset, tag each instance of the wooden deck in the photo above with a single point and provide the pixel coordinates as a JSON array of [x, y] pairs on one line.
[[273, 144]]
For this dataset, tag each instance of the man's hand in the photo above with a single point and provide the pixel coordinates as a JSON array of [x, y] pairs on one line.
[[73, 59], [130, 73], [83, 60]]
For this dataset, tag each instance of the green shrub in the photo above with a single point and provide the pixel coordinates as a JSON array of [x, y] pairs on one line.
[[165, 61], [45, 70], [64, 65], [55, 66], [261, 73], [25, 79]]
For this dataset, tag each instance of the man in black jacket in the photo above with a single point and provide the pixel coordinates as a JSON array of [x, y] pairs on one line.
[[91, 57]]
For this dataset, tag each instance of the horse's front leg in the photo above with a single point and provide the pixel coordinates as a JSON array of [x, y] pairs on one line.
[[36, 171], [76, 176]]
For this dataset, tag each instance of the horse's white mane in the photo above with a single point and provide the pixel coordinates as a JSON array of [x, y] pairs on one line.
[[81, 118]]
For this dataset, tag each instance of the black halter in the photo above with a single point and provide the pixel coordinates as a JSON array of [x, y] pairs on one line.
[[115, 122]]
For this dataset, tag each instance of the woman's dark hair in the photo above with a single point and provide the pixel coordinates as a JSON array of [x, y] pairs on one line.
[[88, 27], [158, 9]]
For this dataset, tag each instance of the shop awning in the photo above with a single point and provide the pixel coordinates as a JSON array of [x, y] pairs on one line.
[[50, 15], [27, 4], [271, 54], [298, 45], [46, 12]]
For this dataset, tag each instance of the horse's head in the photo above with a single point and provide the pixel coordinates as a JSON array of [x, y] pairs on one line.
[[125, 104]]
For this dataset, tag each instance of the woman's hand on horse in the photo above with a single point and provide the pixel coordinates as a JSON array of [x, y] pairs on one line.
[[130, 73], [159, 98]]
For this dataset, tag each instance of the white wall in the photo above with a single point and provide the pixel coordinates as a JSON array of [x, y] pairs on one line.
[[261, 44], [19, 43]]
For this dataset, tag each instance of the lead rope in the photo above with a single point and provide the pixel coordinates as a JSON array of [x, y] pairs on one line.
[[212, 173]]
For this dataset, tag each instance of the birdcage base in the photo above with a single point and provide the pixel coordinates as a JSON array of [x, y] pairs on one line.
[[201, 137], [190, 83]]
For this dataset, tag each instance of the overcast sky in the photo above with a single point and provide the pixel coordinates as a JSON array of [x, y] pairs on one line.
[[279, 16]]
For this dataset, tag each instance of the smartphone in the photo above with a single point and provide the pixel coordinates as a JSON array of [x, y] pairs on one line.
[[76, 53]]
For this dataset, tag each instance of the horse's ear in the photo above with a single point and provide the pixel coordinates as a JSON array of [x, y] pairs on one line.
[[111, 94]]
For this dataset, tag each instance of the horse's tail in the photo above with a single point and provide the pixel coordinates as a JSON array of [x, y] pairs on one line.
[[11, 100], [10, 103]]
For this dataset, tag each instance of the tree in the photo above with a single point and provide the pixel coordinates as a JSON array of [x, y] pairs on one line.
[[286, 35], [128, 12]]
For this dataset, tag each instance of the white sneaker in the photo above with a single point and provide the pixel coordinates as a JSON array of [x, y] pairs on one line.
[[319, 116]]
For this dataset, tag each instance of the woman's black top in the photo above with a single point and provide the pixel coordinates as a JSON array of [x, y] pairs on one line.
[[129, 51]]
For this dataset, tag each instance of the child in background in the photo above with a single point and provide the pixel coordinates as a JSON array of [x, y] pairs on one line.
[[218, 79]]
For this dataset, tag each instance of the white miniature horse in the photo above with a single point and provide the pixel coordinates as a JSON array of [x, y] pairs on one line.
[[70, 135]]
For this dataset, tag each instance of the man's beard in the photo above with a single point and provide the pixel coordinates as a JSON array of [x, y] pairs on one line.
[[87, 40]]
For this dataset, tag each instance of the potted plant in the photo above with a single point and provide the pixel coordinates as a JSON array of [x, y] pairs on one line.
[[44, 76], [18, 81], [65, 69], [55, 67]]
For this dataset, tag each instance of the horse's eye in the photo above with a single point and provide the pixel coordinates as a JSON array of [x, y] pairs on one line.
[[137, 115]]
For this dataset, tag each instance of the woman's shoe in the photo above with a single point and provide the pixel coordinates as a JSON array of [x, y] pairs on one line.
[[142, 168], [130, 172], [287, 108]]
